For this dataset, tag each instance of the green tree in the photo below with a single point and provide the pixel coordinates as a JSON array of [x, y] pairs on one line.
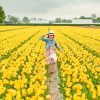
[[64, 20], [26, 20], [34, 18], [2, 15], [13, 19], [98, 20], [93, 16], [82, 17], [58, 20]]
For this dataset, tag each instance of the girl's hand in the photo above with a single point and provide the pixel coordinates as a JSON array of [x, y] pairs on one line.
[[46, 34]]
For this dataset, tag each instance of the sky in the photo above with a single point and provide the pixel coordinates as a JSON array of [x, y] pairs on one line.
[[51, 9]]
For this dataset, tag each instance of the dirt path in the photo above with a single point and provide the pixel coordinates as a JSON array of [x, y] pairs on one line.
[[53, 84]]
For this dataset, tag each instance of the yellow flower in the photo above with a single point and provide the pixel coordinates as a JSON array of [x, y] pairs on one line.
[[2, 90], [5, 81], [48, 97], [12, 92], [98, 90], [8, 96], [76, 97], [24, 93], [17, 84], [30, 90], [69, 84]]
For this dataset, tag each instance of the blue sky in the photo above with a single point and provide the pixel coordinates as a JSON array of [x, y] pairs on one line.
[[51, 8]]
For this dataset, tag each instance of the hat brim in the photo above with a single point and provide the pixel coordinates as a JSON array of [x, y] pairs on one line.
[[51, 34]]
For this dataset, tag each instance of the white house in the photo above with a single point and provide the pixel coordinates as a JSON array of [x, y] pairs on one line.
[[42, 21], [82, 21]]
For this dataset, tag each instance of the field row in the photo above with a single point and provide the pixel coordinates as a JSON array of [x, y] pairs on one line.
[[23, 70], [79, 67]]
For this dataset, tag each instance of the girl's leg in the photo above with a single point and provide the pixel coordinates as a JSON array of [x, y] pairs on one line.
[[52, 67]]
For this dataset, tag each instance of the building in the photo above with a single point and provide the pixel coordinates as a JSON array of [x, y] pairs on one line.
[[40, 21], [82, 21]]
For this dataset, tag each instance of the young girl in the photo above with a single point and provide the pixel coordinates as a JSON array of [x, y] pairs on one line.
[[51, 57]]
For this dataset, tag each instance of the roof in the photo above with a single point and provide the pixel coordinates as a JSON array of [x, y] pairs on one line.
[[82, 21]]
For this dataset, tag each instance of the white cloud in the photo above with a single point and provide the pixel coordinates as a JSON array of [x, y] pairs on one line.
[[51, 8]]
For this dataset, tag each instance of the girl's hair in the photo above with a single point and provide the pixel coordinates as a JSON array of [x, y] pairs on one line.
[[48, 36]]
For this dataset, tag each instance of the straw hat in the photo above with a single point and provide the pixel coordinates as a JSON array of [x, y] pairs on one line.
[[51, 33]]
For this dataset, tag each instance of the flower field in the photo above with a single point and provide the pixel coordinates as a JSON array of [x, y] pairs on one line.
[[23, 70]]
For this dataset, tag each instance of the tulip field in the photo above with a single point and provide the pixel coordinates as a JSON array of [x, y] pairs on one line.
[[23, 69]]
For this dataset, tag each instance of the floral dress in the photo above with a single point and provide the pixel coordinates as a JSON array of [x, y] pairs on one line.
[[51, 58]]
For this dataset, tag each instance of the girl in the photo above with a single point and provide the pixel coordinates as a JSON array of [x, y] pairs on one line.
[[51, 57]]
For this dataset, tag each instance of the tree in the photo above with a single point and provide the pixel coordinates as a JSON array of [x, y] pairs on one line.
[[64, 20], [93, 16], [13, 19], [40, 19], [34, 18], [58, 20], [26, 20], [98, 20], [75, 18], [82, 17], [2, 15]]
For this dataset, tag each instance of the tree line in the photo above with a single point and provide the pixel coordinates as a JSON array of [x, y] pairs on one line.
[[26, 20]]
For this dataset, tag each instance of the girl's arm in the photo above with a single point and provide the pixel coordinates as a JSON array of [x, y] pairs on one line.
[[43, 39], [57, 46]]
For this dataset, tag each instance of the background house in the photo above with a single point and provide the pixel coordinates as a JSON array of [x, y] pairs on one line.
[[40, 21], [82, 21]]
